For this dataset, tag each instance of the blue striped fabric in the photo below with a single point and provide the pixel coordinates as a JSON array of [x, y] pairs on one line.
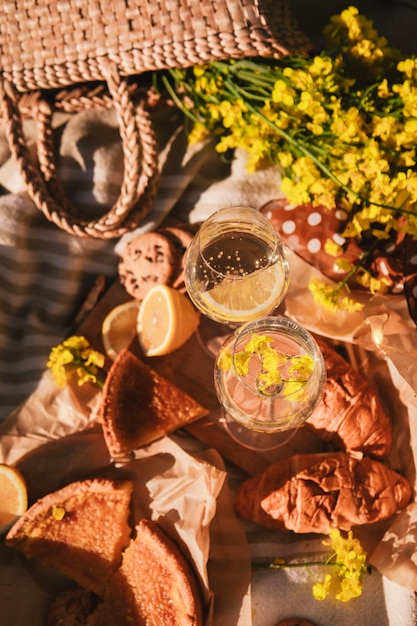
[[45, 276]]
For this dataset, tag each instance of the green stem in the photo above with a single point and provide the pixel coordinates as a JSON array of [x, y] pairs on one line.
[[177, 100], [295, 565], [343, 284], [299, 144], [250, 72]]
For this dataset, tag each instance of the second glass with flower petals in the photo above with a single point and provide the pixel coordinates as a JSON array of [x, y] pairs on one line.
[[269, 377]]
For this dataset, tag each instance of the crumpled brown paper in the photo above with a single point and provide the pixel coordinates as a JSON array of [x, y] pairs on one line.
[[51, 412], [396, 554]]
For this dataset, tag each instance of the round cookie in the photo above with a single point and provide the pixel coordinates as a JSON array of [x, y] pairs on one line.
[[149, 259]]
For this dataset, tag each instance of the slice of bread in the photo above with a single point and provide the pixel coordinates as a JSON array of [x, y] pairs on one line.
[[139, 406], [80, 530], [155, 585]]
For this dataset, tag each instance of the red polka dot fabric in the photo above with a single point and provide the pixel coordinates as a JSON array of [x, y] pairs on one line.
[[306, 228]]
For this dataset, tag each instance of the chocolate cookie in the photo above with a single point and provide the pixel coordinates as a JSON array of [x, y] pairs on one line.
[[148, 259]]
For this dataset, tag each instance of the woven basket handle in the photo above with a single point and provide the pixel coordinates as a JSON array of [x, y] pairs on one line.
[[43, 185]]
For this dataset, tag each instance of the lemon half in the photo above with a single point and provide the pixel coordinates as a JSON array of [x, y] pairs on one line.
[[13, 496], [248, 298], [166, 320], [119, 327]]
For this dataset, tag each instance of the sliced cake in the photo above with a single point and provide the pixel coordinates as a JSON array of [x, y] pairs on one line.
[[80, 530], [155, 585], [139, 406]]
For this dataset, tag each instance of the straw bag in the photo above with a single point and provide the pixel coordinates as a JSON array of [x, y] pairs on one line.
[[47, 47]]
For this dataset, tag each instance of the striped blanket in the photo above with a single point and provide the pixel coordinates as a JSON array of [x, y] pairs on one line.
[[47, 274]]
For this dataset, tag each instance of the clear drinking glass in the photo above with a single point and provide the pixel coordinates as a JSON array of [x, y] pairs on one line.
[[269, 377], [236, 269]]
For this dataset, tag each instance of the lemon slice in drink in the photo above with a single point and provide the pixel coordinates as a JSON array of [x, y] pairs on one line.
[[119, 327], [13, 496], [245, 299], [166, 320]]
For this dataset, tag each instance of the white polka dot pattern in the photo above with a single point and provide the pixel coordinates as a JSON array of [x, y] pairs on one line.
[[305, 229]]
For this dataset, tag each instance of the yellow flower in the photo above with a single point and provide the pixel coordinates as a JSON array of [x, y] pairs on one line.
[[332, 297], [384, 127], [296, 192], [323, 193], [285, 158], [199, 70], [344, 265], [408, 67], [340, 125], [322, 589], [74, 358], [332, 248], [270, 363], [321, 66], [283, 94], [345, 567], [351, 559], [375, 285], [301, 366], [198, 133], [383, 89], [299, 78]]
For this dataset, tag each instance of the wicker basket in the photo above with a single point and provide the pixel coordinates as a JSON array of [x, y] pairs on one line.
[[48, 46]]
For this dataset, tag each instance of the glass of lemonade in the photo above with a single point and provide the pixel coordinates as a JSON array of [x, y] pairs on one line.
[[269, 376], [236, 269]]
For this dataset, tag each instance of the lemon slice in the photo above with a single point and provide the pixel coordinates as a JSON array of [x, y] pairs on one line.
[[166, 320], [13, 496], [119, 327], [248, 298]]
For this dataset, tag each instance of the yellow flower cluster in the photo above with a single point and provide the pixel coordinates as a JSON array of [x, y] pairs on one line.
[[270, 379], [74, 358], [345, 566], [349, 566], [341, 125]]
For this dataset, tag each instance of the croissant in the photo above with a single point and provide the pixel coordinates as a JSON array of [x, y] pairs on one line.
[[313, 493], [350, 414]]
